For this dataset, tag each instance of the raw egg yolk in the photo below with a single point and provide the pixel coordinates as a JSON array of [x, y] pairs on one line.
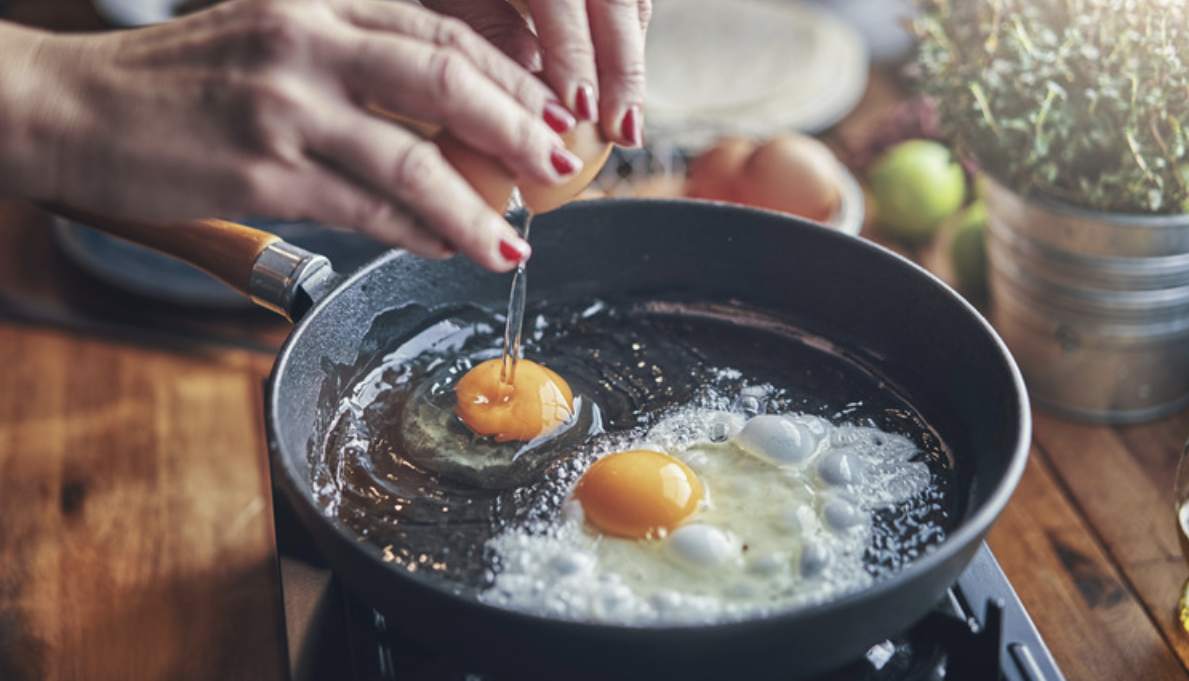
[[537, 403], [638, 494]]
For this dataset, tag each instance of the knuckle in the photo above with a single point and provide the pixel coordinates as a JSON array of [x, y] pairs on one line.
[[581, 50], [527, 136], [645, 9], [274, 33], [452, 32], [468, 35], [451, 75], [416, 167], [632, 77], [266, 105], [528, 91]]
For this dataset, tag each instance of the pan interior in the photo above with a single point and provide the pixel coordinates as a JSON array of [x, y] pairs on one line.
[[631, 363]]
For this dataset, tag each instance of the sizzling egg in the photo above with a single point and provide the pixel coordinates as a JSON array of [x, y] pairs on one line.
[[638, 493], [712, 515], [535, 404]]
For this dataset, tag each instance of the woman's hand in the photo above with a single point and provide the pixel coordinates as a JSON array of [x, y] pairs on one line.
[[266, 107], [590, 51]]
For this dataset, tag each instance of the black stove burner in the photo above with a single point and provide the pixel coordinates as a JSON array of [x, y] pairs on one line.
[[979, 632]]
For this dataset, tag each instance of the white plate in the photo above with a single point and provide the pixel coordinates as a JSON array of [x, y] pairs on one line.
[[135, 12], [748, 67]]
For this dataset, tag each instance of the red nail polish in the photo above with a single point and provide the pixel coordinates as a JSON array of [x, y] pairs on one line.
[[514, 250], [557, 118], [564, 162], [630, 127], [584, 103]]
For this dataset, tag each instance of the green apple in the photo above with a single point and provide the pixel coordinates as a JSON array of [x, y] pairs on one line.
[[915, 185], [958, 253], [968, 247]]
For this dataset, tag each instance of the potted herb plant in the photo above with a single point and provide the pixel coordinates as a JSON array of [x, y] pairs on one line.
[[1074, 111]]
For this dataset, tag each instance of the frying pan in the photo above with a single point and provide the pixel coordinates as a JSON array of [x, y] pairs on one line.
[[916, 334]]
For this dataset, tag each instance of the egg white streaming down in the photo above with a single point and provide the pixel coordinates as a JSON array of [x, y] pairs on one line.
[[788, 514]]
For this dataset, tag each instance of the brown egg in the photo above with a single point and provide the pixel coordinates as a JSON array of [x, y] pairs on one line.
[[490, 179], [793, 173], [588, 144], [494, 182], [715, 174]]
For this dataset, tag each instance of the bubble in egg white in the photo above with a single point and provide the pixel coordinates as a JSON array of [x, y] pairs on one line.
[[842, 515], [840, 467], [777, 439], [614, 603], [751, 404], [702, 546], [770, 563], [752, 400], [797, 519], [815, 556], [666, 600], [578, 562]]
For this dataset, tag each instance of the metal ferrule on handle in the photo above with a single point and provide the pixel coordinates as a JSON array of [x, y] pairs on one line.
[[283, 276], [277, 275]]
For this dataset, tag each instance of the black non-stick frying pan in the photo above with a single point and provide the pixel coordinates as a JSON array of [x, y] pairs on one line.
[[917, 334]]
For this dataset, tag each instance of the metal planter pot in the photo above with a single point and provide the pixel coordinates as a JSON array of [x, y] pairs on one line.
[[1094, 306]]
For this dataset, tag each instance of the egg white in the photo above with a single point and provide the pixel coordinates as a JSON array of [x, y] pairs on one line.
[[785, 521]]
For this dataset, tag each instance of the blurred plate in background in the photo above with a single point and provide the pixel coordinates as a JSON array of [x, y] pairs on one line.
[[135, 12], [748, 67]]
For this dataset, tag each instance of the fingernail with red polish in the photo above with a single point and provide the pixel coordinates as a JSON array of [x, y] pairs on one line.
[[557, 118], [564, 162], [584, 103], [630, 128], [514, 249]]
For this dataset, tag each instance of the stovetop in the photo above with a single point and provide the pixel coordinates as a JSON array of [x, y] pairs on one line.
[[979, 632]]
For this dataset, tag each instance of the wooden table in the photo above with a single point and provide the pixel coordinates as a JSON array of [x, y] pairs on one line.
[[136, 536], [136, 539]]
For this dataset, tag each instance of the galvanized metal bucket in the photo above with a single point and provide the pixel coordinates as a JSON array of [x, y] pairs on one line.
[[1094, 306]]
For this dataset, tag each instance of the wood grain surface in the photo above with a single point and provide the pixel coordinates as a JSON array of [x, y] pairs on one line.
[[136, 533], [135, 522]]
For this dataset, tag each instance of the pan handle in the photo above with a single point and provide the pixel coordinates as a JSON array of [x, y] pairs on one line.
[[275, 274]]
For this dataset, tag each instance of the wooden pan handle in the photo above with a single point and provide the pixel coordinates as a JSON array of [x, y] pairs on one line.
[[226, 250]]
